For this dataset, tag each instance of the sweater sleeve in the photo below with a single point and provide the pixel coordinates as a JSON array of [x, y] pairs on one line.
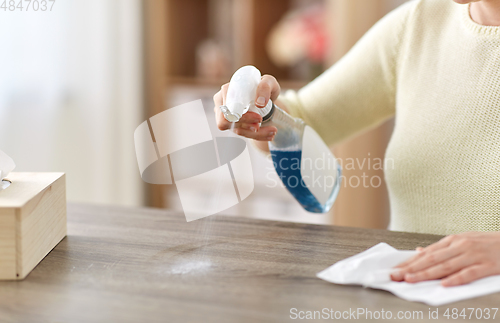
[[358, 92]]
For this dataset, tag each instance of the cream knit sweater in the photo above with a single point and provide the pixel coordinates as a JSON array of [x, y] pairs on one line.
[[438, 72]]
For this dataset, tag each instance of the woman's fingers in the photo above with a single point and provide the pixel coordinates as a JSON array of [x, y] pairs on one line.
[[222, 123], [249, 124], [250, 117], [441, 244], [427, 261], [220, 99], [254, 127], [440, 270], [268, 88], [249, 120], [263, 134], [469, 274], [223, 90]]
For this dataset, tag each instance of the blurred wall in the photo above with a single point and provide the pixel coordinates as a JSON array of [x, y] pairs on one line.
[[71, 95]]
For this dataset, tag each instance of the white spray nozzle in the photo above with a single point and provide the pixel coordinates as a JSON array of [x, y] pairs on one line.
[[241, 94]]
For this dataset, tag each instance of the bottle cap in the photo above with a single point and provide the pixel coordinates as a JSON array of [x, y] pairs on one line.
[[265, 112]]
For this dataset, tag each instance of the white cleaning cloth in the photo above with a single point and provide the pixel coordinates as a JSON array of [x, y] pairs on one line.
[[6, 166], [372, 268]]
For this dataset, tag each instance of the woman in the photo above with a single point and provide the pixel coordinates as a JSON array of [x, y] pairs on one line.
[[435, 66]]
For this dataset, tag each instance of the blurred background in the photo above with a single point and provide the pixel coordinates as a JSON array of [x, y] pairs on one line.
[[76, 81]]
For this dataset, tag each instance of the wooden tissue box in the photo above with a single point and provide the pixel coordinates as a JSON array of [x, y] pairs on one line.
[[32, 221]]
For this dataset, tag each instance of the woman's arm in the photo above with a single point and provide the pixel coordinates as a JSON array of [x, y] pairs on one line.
[[359, 91]]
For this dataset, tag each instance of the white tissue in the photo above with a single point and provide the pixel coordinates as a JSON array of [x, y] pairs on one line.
[[6, 166], [372, 268]]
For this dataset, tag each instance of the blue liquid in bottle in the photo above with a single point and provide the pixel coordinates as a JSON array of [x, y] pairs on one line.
[[288, 165], [314, 187]]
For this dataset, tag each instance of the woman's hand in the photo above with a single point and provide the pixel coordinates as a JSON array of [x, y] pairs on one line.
[[249, 124], [461, 258]]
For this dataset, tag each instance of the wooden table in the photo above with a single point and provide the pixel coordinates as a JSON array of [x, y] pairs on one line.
[[148, 265]]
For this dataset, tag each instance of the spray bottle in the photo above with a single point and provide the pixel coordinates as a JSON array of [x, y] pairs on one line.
[[304, 163]]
